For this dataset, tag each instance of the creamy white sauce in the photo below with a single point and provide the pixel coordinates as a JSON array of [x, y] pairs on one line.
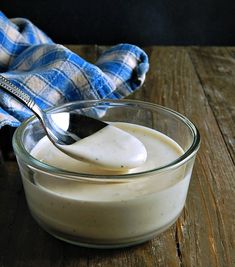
[[110, 147], [126, 150], [104, 211]]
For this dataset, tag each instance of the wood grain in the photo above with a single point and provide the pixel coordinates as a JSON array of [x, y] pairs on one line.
[[215, 67], [203, 232], [183, 79]]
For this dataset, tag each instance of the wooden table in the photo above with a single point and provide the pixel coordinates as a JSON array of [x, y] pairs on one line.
[[199, 82]]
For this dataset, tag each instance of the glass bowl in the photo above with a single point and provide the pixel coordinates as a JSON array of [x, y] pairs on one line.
[[108, 210]]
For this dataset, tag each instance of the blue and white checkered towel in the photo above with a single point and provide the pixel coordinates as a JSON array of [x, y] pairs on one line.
[[52, 74]]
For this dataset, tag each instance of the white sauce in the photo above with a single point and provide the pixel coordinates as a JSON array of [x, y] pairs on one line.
[[126, 150], [110, 212], [110, 147]]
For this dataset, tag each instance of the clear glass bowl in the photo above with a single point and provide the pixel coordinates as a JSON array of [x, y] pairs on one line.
[[125, 218]]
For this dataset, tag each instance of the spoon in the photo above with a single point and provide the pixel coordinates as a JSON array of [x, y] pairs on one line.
[[85, 138]]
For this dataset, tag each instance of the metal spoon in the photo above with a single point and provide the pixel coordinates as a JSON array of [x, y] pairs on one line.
[[132, 151], [79, 126]]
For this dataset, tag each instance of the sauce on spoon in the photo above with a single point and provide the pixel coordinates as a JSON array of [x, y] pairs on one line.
[[110, 147]]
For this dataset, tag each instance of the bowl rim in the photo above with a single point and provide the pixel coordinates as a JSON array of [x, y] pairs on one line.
[[34, 163]]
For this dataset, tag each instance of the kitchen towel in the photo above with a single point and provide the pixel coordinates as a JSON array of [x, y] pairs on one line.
[[52, 74]]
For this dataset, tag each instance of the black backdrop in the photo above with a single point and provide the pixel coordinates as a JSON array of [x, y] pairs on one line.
[[165, 22]]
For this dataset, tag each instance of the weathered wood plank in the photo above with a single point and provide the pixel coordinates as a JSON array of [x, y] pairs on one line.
[[88, 52], [204, 231], [10, 191], [215, 67]]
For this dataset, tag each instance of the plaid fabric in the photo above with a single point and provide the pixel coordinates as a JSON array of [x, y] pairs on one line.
[[52, 74]]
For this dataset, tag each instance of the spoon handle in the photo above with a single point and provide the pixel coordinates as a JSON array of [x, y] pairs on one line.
[[16, 92], [25, 99], [21, 96]]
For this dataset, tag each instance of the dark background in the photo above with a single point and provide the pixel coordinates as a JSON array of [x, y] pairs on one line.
[[160, 22]]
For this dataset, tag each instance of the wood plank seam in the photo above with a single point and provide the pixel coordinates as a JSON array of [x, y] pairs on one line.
[[212, 110]]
